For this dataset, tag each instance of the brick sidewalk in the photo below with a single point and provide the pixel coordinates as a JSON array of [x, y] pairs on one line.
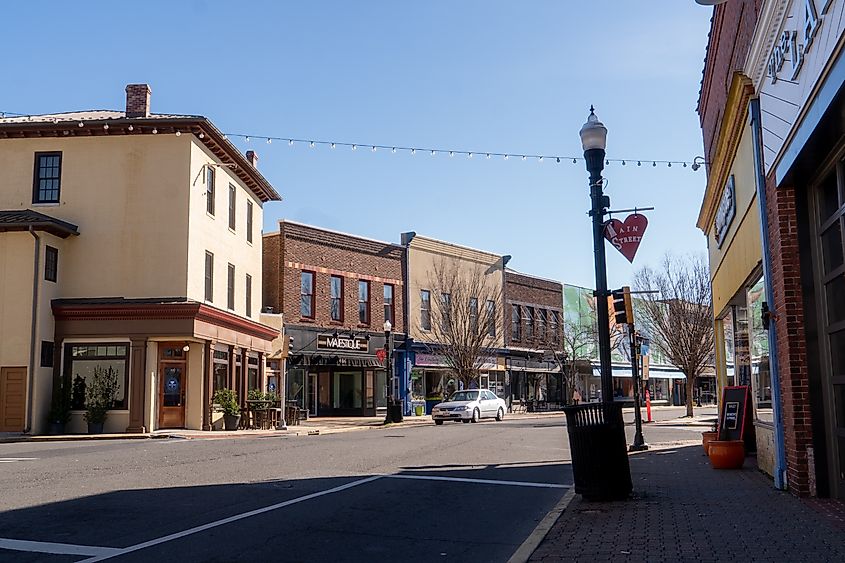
[[683, 510]]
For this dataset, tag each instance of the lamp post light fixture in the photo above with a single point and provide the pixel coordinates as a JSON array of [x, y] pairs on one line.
[[594, 142], [388, 368]]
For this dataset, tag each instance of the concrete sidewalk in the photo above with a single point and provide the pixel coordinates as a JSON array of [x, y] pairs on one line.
[[683, 510], [311, 427]]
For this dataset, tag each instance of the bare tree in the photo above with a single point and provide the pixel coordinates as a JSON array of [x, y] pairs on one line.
[[580, 341], [679, 317], [465, 320]]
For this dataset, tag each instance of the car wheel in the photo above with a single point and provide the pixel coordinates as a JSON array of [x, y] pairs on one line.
[[438, 422], [476, 416], [500, 415]]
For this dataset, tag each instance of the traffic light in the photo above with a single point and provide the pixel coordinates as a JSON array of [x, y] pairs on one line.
[[622, 309]]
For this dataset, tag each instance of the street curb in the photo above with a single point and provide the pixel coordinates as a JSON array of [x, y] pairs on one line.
[[530, 545], [80, 438]]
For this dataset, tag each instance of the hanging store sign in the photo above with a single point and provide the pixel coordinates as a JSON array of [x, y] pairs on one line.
[[626, 237], [346, 343], [726, 212]]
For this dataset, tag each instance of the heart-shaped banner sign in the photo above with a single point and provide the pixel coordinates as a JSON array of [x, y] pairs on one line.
[[626, 237]]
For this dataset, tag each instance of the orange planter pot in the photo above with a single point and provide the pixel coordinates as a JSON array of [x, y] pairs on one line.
[[728, 454], [706, 438]]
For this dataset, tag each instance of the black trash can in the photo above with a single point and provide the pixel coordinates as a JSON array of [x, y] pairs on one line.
[[599, 451], [394, 412]]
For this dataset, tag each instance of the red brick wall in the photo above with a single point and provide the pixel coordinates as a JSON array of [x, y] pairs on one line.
[[327, 253], [271, 250], [731, 31], [789, 321], [526, 290]]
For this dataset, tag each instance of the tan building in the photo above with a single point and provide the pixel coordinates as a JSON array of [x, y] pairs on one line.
[[129, 241], [430, 374]]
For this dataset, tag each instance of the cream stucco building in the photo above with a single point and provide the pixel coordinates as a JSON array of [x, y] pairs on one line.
[[130, 241], [427, 259]]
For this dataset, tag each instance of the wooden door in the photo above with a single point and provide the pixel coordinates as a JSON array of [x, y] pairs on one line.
[[12, 399], [171, 394]]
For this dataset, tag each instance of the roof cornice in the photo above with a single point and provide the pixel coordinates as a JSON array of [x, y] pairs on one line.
[[203, 129], [733, 121]]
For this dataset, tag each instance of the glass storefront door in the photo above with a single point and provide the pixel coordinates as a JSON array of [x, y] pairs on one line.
[[830, 289]]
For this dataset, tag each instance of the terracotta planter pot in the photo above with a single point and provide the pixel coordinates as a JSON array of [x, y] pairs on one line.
[[706, 438], [728, 454]]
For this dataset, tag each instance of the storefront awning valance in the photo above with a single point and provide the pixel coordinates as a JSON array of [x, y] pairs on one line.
[[339, 360], [652, 373]]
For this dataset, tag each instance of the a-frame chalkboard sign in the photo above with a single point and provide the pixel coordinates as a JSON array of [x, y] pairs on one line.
[[735, 412]]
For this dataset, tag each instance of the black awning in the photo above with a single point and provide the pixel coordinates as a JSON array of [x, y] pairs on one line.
[[338, 360]]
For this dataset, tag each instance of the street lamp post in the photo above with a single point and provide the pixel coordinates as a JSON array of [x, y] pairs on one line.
[[594, 142], [388, 368]]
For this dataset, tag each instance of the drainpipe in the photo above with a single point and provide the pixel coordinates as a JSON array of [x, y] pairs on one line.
[[33, 329], [760, 177]]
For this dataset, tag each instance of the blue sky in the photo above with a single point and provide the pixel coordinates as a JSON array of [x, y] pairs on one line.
[[478, 75]]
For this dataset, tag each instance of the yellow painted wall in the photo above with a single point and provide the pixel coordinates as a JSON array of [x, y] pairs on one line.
[[424, 253], [16, 256], [212, 233], [128, 196], [741, 251]]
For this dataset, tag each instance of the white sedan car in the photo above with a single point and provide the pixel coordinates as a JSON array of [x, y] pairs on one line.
[[470, 405]]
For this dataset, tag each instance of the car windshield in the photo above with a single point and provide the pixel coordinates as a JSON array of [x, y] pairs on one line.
[[464, 396]]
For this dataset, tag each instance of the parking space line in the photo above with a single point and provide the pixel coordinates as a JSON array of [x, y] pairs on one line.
[[14, 459], [481, 481], [56, 548], [235, 518]]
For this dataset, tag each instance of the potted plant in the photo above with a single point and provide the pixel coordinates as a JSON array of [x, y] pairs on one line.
[[59, 414], [726, 454], [100, 393], [709, 436], [227, 403]]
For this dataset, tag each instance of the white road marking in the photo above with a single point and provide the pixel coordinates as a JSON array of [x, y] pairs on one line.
[[14, 459], [481, 481], [235, 518], [56, 548]]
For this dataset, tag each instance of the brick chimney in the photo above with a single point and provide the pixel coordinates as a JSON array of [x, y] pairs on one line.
[[252, 158], [137, 100]]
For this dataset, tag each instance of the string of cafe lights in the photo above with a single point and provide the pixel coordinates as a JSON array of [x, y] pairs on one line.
[[694, 164]]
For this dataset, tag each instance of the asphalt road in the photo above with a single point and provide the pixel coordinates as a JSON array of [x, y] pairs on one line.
[[468, 492]]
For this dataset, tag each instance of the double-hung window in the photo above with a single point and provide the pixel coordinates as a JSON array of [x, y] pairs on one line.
[[232, 193], [336, 298], [388, 304], [541, 324], [51, 264], [209, 276], [516, 323], [364, 302], [209, 190], [529, 322], [473, 316], [47, 179], [230, 288], [306, 295], [249, 221], [491, 319], [446, 310], [248, 295], [425, 309]]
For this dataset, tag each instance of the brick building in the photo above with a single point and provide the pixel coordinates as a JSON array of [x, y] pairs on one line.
[[533, 314], [335, 292], [771, 107]]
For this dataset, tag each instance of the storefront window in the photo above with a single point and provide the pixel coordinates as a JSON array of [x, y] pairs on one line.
[[83, 361], [347, 389], [381, 389], [658, 389], [295, 380], [434, 385], [742, 353], [252, 372], [761, 379], [221, 369], [417, 385], [728, 332]]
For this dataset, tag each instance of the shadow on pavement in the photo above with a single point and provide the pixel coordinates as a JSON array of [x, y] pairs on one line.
[[387, 519]]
